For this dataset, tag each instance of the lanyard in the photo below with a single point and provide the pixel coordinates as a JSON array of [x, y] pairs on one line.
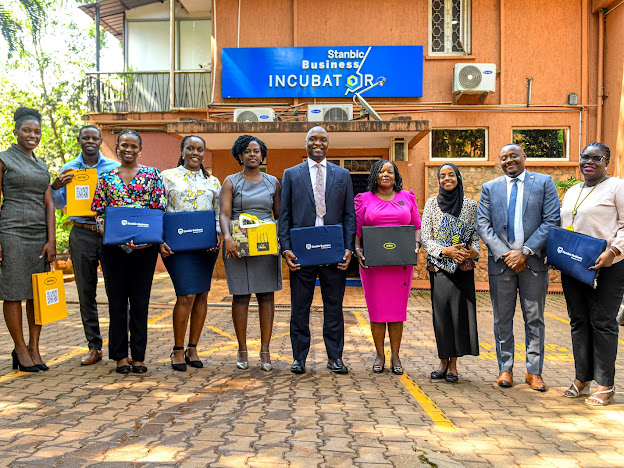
[[577, 204]]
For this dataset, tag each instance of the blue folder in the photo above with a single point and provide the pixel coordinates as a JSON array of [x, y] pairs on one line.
[[452, 231], [123, 224], [190, 231], [573, 253], [318, 245]]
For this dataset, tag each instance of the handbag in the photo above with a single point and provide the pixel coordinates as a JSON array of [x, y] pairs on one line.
[[80, 192], [254, 236], [452, 231], [186, 231], [123, 224], [49, 297], [573, 253]]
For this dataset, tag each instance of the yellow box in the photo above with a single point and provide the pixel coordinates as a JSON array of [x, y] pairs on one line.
[[80, 192], [49, 297], [254, 236]]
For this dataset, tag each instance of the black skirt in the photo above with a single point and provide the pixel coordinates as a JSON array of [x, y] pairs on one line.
[[454, 303], [191, 272]]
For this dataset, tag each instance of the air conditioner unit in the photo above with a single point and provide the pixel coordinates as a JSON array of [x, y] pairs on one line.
[[254, 114], [330, 112], [398, 149], [474, 78]]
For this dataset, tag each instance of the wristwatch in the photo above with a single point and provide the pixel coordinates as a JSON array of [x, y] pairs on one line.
[[526, 251]]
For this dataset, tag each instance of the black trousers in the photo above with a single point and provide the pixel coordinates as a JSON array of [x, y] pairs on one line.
[[128, 280], [302, 282], [593, 315], [84, 249]]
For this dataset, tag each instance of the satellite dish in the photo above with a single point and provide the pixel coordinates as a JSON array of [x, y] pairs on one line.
[[365, 106]]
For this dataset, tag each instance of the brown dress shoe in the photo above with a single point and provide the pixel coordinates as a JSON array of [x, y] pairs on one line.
[[505, 379], [536, 382], [93, 356]]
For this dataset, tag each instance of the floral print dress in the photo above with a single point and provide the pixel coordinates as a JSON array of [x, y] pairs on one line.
[[145, 190], [189, 191]]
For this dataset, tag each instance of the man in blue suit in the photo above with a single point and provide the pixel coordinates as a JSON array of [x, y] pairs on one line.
[[515, 213], [317, 193]]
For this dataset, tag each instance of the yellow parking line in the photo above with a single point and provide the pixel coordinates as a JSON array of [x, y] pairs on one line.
[[227, 335], [436, 414], [568, 322], [76, 352]]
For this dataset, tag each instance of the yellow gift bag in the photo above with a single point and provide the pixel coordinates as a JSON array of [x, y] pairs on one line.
[[49, 297], [80, 192], [254, 236]]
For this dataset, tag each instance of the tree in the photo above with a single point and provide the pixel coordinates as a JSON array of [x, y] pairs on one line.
[[46, 55]]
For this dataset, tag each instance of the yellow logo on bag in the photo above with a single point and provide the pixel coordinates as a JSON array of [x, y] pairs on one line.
[[389, 245]]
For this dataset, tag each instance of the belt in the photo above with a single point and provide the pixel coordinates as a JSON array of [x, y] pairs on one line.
[[90, 227]]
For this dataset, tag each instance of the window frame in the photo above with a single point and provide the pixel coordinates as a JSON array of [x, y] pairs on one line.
[[487, 136], [465, 28], [566, 140]]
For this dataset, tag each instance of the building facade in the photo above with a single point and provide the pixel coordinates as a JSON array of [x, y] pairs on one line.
[[462, 78]]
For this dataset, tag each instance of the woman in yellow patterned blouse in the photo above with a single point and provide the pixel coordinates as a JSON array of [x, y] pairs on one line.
[[190, 188]]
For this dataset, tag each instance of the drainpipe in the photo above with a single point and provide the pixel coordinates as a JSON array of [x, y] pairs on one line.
[[172, 31], [97, 57], [600, 84]]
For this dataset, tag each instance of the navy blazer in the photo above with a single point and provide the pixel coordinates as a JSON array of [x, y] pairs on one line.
[[297, 207], [540, 211]]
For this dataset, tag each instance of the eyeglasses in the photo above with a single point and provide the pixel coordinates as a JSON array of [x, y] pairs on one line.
[[588, 157]]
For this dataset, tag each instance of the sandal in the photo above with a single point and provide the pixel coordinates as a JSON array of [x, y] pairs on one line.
[[574, 392], [397, 370], [593, 400], [196, 364]]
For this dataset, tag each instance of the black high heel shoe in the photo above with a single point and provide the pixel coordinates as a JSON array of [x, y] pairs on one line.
[[17, 364], [42, 366], [178, 367], [196, 364]]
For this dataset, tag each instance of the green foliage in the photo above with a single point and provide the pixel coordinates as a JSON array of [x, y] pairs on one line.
[[45, 72], [453, 143], [63, 227], [541, 143], [564, 185]]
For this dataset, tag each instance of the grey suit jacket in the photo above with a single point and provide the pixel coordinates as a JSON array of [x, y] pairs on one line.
[[540, 211]]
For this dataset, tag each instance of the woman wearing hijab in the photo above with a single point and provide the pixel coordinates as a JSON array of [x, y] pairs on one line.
[[453, 297]]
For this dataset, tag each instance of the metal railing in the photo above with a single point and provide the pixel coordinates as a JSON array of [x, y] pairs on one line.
[[146, 91]]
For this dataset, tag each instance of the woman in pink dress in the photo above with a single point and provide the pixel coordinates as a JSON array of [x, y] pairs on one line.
[[386, 288]]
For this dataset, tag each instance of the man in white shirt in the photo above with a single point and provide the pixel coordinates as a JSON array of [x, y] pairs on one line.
[[317, 193], [515, 213]]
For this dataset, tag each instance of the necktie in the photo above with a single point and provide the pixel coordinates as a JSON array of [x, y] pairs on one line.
[[511, 212], [319, 192]]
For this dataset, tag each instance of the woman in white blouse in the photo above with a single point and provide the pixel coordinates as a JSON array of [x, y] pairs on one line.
[[190, 188], [595, 207]]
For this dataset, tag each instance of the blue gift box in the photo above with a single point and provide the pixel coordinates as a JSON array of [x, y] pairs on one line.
[[573, 253], [318, 245], [452, 231], [190, 231], [123, 224]]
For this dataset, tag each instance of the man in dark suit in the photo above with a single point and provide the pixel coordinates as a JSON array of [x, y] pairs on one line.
[[515, 213], [317, 193]]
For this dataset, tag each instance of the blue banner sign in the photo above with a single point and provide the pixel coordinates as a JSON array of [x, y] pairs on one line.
[[258, 72]]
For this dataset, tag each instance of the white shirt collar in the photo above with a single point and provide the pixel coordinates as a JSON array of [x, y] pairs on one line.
[[312, 163], [520, 177]]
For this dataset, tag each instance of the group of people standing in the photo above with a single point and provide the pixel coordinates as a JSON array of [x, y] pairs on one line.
[[512, 218]]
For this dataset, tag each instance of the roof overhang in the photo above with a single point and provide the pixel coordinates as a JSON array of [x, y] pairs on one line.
[[287, 135], [112, 13]]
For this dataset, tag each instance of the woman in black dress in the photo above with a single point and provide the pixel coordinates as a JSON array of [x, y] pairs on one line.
[[453, 295], [27, 234]]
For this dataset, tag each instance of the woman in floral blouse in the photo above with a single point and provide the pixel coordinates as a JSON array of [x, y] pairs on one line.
[[190, 188], [128, 269]]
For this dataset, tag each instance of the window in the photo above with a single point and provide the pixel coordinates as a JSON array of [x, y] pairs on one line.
[[449, 27], [459, 143], [545, 143]]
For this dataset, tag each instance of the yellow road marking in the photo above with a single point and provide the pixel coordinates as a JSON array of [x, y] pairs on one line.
[[76, 352], [436, 414], [227, 335], [568, 322]]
